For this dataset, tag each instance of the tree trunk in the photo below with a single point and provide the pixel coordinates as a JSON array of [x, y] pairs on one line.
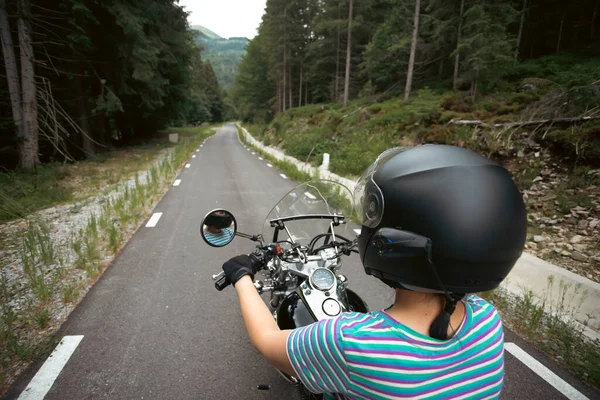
[[521, 28], [441, 69], [300, 88], [413, 50], [458, 35], [12, 73], [562, 21], [474, 83], [86, 137], [284, 55], [291, 103], [336, 90], [306, 94], [348, 54], [278, 96], [29, 145], [594, 15]]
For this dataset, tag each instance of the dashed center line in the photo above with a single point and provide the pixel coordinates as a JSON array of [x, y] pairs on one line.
[[153, 220], [269, 165], [569, 391], [45, 377], [177, 182], [187, 165], [283, 176]]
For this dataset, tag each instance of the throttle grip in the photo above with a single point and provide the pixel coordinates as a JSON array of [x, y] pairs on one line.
[[222, 283]]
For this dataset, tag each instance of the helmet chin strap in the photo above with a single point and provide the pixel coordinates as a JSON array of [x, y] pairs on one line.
[[439, 326]]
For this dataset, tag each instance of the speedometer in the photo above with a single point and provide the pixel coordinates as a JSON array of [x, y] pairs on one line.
[[322, 279]]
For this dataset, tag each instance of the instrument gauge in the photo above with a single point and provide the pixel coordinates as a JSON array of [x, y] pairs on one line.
[[331, 307], [322, 279]]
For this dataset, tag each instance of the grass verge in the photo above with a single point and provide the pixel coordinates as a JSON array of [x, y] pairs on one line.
[[287, 168], [52, 273]]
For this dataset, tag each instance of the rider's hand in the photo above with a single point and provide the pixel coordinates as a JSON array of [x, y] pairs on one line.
[[237, 267]]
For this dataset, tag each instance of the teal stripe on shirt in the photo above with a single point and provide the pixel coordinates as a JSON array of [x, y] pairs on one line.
[[344, 357]]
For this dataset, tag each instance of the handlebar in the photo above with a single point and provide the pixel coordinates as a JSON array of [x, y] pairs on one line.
[[261, 256]]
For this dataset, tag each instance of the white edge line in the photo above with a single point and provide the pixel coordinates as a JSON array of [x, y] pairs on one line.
[[260, 158], [197, 150], [269, 165], [283, 176], [554, 380], [153, 220], [187, 165], [357, 231], [47, 374], [194, 156], [177, 182]]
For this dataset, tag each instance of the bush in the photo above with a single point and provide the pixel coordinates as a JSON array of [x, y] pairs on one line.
[[457, 102]]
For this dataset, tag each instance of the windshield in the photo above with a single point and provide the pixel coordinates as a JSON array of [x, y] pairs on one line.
[[319, 197]]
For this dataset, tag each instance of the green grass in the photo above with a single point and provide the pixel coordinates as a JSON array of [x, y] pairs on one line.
[[287, 168], [23, 192]]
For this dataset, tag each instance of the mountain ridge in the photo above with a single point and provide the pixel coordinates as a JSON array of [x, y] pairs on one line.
[[206, 32]]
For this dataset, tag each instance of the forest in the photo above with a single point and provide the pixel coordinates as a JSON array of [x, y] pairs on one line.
[[224, 54], [80, 77], [334, 51]]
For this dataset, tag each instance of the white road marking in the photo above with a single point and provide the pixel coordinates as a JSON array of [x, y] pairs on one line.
[[177, 182], [310, 195], [260, 158], [283, 176], [567, 390], [197, 150], [187, 165], [357, 231], [153, 220], [194, 156], [253, 153], [201, 145], [45, 377], [269, 165]]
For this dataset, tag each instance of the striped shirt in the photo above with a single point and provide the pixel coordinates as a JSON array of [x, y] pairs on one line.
[[219, 239], [373, 356]]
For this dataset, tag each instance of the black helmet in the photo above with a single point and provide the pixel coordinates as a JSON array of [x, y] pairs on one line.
[[219, 220], [439, 218]]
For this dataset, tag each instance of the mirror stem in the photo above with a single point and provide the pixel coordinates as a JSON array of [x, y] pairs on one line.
[[254, 238]]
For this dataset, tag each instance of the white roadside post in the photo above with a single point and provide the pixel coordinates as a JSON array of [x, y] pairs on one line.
[[325, 164]]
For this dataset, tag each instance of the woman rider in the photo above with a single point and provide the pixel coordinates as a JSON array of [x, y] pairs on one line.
[[439, 223], [217, 228]]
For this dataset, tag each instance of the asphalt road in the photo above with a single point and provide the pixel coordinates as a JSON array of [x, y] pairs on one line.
[[154, 326]]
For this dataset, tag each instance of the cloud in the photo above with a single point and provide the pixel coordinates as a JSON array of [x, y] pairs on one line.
[[227, 18]]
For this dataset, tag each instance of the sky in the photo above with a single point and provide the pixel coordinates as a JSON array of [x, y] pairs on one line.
[[227, 18]]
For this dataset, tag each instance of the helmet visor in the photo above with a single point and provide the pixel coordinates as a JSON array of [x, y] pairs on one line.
[[368, 201]]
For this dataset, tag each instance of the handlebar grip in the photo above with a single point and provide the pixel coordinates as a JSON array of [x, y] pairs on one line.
[[222, 283]]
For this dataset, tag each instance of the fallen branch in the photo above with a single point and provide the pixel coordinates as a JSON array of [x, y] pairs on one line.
[[477, 122]]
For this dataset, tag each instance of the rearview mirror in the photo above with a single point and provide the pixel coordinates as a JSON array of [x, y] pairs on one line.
[[218, 228]]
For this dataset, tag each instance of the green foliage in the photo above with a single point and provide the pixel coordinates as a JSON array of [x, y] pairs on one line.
[[224, 54], [22, 192]]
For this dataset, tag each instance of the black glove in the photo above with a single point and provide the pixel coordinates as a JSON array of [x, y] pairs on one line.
[[239, 266]]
